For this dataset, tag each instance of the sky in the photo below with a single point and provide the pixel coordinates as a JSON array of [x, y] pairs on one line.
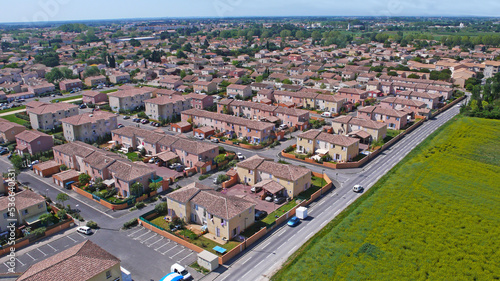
[[68, 10]]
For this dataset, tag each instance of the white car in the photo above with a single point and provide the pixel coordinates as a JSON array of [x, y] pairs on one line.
[[357, 188], [199, 137], [240, 156], [283, 126], [177, 268], [84, 230], [326, 114]]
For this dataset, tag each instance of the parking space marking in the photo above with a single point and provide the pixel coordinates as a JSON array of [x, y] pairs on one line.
[[30, 256], [140, 228], [177, 253], [155, 242], [170, 249], [144, 241], [84, 237], [185, 257], [20, 262], [44, 254], [138, 237], [71, 239], [55, 250], [162, 246], [6, 265]]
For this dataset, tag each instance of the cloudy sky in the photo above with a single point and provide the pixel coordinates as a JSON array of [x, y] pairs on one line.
[[61, 10]]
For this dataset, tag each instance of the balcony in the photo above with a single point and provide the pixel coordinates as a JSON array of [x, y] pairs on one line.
[[156, 179]]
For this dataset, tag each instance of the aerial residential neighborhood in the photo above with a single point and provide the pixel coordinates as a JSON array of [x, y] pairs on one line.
[[216, 141]]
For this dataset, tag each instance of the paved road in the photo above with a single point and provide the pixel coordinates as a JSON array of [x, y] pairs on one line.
[[261, 261]]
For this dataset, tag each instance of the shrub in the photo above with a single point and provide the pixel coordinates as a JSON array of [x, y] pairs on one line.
[[161, 208], [130, 223], [289, 149], [202, 177], [92, 224], [39, 231], [63, 167], [142, 115], [222, 178], [62, 214], [140, 205]]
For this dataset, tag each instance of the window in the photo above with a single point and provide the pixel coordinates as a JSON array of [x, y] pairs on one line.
[[108, 274], [40, 205], [196, 207], [25, 212]]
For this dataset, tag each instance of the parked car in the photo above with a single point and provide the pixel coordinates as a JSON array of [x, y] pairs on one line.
[[260, 215], [283, 126], [4, 150], [33, 163], [136, 120], [53, 95], [215, 140], [269, 199], [84, 230], [152, 124], [279, 200], [120, 126], [326, 114], [357, 188], [173, 165], [157, 124], [57, 101], [82, 106], [240, 156], [199, 137], [215, 181], [256, 189], [294, 221], [126, 117], [144, 121]]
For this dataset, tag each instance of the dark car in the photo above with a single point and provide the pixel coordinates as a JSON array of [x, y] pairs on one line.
[[260, 215], [126, 117], [279, 200], [82, 106]]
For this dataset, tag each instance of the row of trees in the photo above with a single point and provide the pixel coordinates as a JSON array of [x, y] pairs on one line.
[[485, 100]]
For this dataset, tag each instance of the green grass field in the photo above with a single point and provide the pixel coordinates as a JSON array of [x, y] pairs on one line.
[[66, 98], [13, 118], [435, 216], [13, 109]]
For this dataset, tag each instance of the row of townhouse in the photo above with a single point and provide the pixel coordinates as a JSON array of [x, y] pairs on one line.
[[33, 142], [223, 215], [430, 100], [339, 147], [191, 153], [366, 130], [307, 99], [253, 131], [46, 116], [9, 130], [109, 166], [411, 106], [89, 127], [70, 84], [393, 87], [259, 111], [41, 88], [94, 97], [129, 98], [93, 81], [395, 119], [291, 180], [166, 107]]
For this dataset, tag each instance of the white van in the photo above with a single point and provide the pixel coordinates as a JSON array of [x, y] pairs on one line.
[[326, 114], [177, 268], [357, 188]]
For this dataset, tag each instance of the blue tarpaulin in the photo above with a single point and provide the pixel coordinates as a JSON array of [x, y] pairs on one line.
[[219, 249]]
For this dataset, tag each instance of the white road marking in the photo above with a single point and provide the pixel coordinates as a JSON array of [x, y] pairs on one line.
[[336, 213], [185, 257], [155, 242], [162, 246], [44, 254], [9, 266], [71, 239], [144, 241], [267, 244], [293, 249], [170, 249], [137, 238], [177, 253], [30, 256], [350, 201], [135, 231], [323, 223], [55, 250], [245, 261], [309, 236], [20, 262]]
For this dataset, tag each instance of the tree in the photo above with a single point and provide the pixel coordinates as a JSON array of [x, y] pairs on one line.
[[161, 208], [414, 76], [154, 186], [17, 162], [219, 158], [91, 71], [136, 189], [287, 82], [181, 55], [49, 59], [62, 197], [134, 43], [84, 179]]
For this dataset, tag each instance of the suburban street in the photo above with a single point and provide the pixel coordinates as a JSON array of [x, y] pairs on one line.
[[275, 248]]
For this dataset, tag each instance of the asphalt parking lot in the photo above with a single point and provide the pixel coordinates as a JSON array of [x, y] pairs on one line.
[[27, 259], [170, 251]]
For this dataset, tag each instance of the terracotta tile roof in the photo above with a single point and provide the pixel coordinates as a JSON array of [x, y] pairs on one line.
[[270, 185], [47, 165], [185, 194], [382, 110], [91, 93], [6, 126], [193, 147], [128, 171], [162, 100], [337, 139], [51, 108], [130, 92], [66, 175], [31, 135], [251, 163], [24, 199], [310, 135], [283, 171], [332, 98], [359, 122], [76, 148], [78, 263], [251, 124]]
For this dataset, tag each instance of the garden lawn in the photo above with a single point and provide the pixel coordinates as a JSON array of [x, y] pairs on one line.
[[109, 91], [66, 98], [13, 118], [133, 156], [435, 216], [13, 109]]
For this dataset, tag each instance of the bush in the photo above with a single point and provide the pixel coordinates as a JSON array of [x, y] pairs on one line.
[[161, 208], [62, 214], [63, 167], [202, 177], [289, 149], [130, 223], [140, 205], [142, 115], [92, 224], [39, 231], [222, 178]]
